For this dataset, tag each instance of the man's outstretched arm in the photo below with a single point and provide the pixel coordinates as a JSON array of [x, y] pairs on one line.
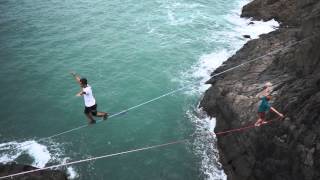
[[77, 77], [80, 93]]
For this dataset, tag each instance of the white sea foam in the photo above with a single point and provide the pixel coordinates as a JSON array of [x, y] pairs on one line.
[[246, 26], [181, 13], [39, 154], [72, 174], [202, 70], [233, 38], [205, 146]]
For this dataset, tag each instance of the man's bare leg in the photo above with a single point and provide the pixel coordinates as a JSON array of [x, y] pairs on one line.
[[90, 118], [259, 121], [104, 115]]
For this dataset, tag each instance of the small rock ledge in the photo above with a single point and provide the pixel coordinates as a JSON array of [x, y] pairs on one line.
[[8, 169]]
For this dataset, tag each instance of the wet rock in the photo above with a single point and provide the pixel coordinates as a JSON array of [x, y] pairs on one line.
[[8, 169]]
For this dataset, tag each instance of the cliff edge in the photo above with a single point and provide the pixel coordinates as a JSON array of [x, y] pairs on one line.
[[286, 149], [8, 169]]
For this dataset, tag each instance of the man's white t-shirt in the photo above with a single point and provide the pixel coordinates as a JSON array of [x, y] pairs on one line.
[[88, 97]]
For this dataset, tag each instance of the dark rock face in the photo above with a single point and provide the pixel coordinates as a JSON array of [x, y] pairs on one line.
[[8, 169], [269, 9], [287, 149]]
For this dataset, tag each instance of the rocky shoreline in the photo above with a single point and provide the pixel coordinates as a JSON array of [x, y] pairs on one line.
[[12, 168], [283, 150]]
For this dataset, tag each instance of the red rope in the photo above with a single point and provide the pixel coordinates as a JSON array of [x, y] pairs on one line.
[[244, 128]]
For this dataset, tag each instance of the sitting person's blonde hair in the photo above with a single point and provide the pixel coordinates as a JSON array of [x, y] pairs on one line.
[[267, 88], [267, 84]]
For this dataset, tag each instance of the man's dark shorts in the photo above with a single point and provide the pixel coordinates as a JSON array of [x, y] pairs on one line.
[[92, 110]]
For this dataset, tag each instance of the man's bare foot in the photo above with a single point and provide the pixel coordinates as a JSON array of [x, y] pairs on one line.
[[258, 123], [92, 122], [263, 122], [105, 117]]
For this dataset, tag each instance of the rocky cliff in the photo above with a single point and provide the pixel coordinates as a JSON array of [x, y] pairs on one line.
[[283, 150], [8, 169]]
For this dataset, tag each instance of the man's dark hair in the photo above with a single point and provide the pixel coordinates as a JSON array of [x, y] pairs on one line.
[[83, 81]]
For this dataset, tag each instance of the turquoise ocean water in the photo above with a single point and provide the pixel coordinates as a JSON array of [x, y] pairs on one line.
[[130, 52]]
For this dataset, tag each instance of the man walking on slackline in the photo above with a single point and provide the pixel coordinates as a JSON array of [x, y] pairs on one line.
[[90, 109]]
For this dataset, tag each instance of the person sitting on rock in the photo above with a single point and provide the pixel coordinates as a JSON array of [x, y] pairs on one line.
[[264, 107]]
